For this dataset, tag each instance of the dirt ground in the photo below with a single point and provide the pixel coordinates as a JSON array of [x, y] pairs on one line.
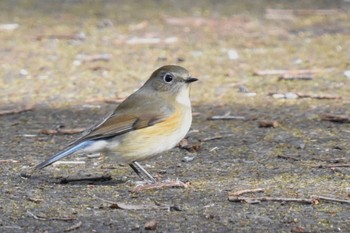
[[70, 62]]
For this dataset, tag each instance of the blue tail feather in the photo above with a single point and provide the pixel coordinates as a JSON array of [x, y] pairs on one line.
[[64, 153]]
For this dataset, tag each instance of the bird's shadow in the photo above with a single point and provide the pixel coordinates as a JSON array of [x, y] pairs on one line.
[[85, 179], [104, 179]]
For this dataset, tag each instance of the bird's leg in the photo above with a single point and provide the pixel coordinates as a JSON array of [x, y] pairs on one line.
[[138, 169], [142, 173], [135, 170]]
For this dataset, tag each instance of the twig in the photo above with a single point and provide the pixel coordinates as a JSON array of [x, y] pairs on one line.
[[276, 13], [291, 95], [331, 199], [189, 21], [105, 200], [241, 192], [8, 161], [288, 73], [94, 57], [262, 199], [77, 36], [8, 26], [211, 138], [41, 218], [61, 131], [335, 118], [57, 163], [314, 199], [143, 40], [35, 216], [16, 111], [316, 11], [94, 179], [124, 206], [289, 77], [73, 227], [161, 185], [116, 100], [332, 165], [34, 199], [97, 68], [216, 137], [335, 160], [290, 14], [11, 227], [312, 96], [287, 157], [213, 118]]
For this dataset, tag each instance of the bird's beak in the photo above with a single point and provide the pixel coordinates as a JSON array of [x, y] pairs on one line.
[[190, 80]]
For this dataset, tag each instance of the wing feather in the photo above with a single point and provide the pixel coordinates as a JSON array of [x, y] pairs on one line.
[[129, 115]]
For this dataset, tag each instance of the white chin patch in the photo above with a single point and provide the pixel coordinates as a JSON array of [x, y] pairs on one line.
[[184, 96]]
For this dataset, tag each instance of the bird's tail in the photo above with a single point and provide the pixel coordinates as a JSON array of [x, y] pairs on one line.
[[64, 153]]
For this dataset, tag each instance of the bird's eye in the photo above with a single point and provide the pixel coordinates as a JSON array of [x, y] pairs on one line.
[[168, 78]]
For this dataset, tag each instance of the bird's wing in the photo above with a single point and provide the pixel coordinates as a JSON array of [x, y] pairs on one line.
[[133, 114], [120, 124], [140, 111]]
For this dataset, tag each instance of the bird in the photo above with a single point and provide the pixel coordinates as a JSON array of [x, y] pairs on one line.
[[152, 120]]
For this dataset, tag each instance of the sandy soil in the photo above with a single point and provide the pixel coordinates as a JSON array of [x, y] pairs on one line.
[[70, 63]]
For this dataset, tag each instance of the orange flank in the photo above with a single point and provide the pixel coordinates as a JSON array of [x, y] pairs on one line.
[[152, 140]]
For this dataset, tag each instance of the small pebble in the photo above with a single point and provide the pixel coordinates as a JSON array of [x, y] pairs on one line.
[[298, 61], [196, 53], [232, 54], [347, 73], [301, 146], [105, 23], [9, 26], [187, 159], [95, 155], [290, 95], [136, 227], [278, 96], [23, 72], [250, 94], [170, 40], [151, 225], [242, 89]]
